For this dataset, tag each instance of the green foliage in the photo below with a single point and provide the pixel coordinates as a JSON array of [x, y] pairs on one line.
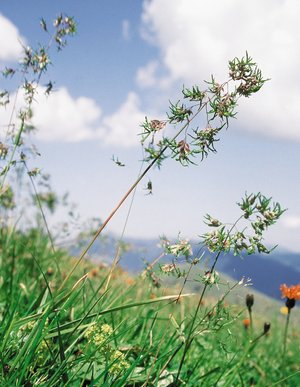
[[130, 333], [218, 104], [261, 214], [32, 66]]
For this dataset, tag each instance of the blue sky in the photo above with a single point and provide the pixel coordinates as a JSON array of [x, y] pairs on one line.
[[128, 60]]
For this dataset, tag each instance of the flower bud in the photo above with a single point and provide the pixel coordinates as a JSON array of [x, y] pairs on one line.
[[290, 303], [267, 327], [249, 301]]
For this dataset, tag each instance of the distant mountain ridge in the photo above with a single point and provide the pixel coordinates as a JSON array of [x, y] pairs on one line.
[[266, 271]]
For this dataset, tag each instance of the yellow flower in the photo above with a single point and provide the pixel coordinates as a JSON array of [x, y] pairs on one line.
[[106, 329], [119, 364], [284, 310]]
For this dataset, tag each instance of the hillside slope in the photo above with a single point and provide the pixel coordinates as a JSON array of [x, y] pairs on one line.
[[266, 271]]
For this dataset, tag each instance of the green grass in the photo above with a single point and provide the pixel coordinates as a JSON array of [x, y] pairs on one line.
[[56, 336]]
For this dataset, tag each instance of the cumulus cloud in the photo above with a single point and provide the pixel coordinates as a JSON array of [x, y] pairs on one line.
[[146, 76], [123, 126], [291, 221], [61, 117], [197, 38], [10, 40]]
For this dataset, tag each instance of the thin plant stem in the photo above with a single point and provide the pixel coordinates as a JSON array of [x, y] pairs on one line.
[[22, 126], [108, 219], [185, 280], [127, 194], [40, 207], [285, 335], [118, 250], [155, 359], [189, 339], [251, 322], [16, 144], [246, 351]]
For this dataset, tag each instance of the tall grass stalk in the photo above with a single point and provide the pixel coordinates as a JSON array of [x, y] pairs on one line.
[[122, 201], [189, 336], [285, 336]]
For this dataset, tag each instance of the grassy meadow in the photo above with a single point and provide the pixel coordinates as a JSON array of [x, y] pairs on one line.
[[127, 331]]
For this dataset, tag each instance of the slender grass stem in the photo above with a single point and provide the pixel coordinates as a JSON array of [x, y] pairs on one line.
[[189, 337], [118, 250], [235, 369], [42, 213], [127, 194], [22, 126], [185, 280], [10, 161], [285, 336], [251, 322]]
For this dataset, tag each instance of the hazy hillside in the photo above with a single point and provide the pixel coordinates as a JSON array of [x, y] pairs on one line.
[[266, 271]]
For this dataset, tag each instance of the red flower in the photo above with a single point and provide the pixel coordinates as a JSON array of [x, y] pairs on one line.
[[246, 323], [292, 292]]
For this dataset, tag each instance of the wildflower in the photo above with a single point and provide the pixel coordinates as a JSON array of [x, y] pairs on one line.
[[28, 327], [168, 268], [210, 277], [98, 335], [284, 310], [50, 271], [292, 292], [119, 364], [157, 125], [182, 248], [226, 244], [217, 240], [212, 222], [129, 281], [184, 148], [89, 333], [246, 323], [42, 352], [3, 150], [93, 272], [106, 329]]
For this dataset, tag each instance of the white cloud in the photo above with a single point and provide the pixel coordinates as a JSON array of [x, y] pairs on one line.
[[60, 117], [197, 38], [10, 38], [291, 221], [123, 126], [146, 76]]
